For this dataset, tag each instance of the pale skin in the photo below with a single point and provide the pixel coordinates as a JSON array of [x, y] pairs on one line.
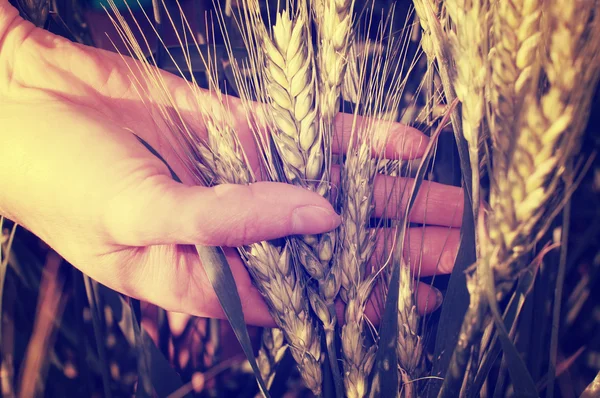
[[75, 175]]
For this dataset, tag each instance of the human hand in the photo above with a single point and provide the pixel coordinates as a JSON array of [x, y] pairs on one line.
[[75, 175]]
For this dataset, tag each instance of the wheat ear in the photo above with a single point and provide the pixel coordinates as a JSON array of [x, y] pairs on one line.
[[470, 49], [334, 24], [551, 126], [356, 247], [270, 354], [356, 239], [291, 87], [410, 346], [515, 60], [291, 84]]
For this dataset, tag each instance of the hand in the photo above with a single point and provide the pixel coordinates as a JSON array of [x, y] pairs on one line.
[[74, 174]]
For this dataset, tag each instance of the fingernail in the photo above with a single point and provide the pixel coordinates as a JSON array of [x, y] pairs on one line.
[[313, 220], [439, 298]]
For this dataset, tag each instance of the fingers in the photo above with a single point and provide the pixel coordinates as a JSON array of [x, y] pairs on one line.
[[436, 204], [428, 298], [161, 211], [392, 140], [429, 250]]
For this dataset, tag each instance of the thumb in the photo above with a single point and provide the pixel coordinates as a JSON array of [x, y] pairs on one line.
[[162, 211]]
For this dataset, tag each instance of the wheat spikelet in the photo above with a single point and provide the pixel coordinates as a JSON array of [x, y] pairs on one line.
[[351, 87]]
